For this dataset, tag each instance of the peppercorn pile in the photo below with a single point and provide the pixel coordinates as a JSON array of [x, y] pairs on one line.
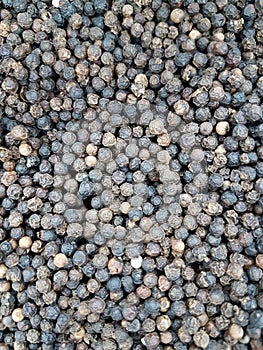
[[131, 174]]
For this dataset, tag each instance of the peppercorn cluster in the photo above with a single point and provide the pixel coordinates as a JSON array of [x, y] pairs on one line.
[[131, 175]]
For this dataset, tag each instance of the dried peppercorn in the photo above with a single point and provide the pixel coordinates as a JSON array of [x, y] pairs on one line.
[[162, 159]]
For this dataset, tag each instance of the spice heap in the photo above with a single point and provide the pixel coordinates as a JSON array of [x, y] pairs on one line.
[[131, 174]]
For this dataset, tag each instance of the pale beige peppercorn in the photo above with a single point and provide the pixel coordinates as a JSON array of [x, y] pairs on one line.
[[178, 247], [105, 215], [156, 127], [235, 271], [201, 339], [108, 139], [222, 128], [181, 107], [236, 332], [166, 337], [93, 285], [91, 149], [164, 140], [19, 132], [8, 178], [163, 323], [164, 304], [163, 283], [4, 286], [17, 315], [91, 161], [259, 260], [127, 10], [60, 260], [195, 34], [115, 266], [140, 84], [5, 154], [25, 242], [25, 149], [125, 207], [3, 270], [15, 219], [56, 3], [177, 15], [183, 335], [78, 335]]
